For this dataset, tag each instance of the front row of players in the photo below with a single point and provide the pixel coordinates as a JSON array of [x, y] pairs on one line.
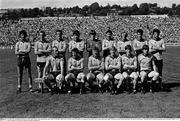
[[115, 73]]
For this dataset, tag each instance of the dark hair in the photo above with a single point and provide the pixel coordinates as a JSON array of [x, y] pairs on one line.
[[156, 30], [76, 32], [126, 34], [43, 32], [23, 32], [128, 47], [92, 32], [109, 31], [60, 31], [140, 31], [146, 47], [75, 50]]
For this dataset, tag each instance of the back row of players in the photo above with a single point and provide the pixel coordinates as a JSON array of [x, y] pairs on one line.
[[111, 63]]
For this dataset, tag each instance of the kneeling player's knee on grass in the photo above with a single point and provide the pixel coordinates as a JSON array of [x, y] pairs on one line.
[[107, 77], [81, 77], [60, 78], [69, 77], [100, 77], [125, 75]]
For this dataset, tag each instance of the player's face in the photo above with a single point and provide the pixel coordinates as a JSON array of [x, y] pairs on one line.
[[112, 52], [74, 54], [76, 37], [58, 35], [124, 35], [139, 36], [41, 35], [145, 51], [55, 52], [128, 52], [22, 36], [95, 53], [108, 35], [155, 35]]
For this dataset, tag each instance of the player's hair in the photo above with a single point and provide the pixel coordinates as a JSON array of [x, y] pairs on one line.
[[128, 47], [145, 47], [109, 31], [140, 31], [23, 32], [156, 30], [95, 49], [76, 32], [60, 31], [43, 32], [92, 32], [75, 50]]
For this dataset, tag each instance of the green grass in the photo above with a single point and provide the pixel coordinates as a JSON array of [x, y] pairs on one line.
[[91, 105]]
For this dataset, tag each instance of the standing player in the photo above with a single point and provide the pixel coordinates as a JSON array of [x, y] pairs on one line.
[[75, 71], [107, 43], [93, 42], [122, 44], [22, 50], [156, 47], [61, 44], [129, 62], [77, 43], [53, 72], [139, 42], [96, 68], [146, 62], [42, 49], [113, 71]]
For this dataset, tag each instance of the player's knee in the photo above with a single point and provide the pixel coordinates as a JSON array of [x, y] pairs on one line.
[[100, 77], [60, 78], [107, 77], [134, 76], [119, 77], [90, 77], [143, 74], [81, 77], [125, 75]]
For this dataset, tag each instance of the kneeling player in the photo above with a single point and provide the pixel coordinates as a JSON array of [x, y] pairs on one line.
[[129, 62], [53, 71], [96, 68], [75, 71], [113, 69], [146, 61]]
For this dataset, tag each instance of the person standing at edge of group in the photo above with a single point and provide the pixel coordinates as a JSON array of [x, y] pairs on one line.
[[22, 50], [77, 43], [156, 47], [122, 44], [93, 42], [61, 44], [42, 49], [108, 43]]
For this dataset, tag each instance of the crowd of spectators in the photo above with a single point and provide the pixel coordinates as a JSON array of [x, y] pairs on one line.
[[169, 27]]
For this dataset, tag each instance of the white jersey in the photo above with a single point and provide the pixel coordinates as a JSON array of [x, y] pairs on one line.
[[79, 45], [106, 44], [157, 44], [139, 44], [145, 62], [42, 46], [61, 45], [121, 45]]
